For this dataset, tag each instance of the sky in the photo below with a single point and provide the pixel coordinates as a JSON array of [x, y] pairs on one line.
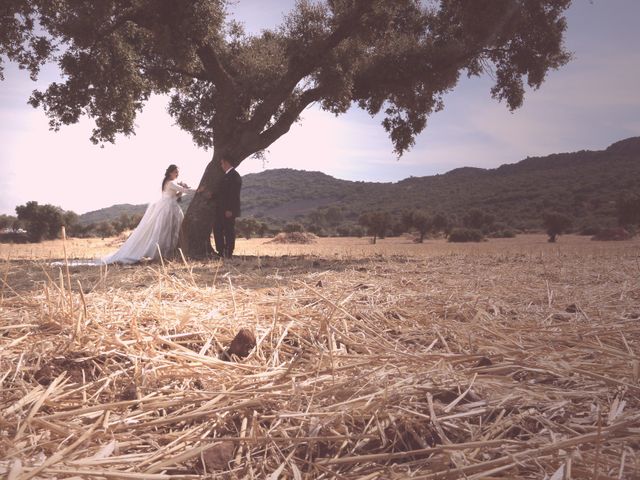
[[587, 105]]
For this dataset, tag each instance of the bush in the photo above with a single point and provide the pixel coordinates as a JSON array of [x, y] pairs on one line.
[[465, 235], [294, 237], [555, 223], [612, 234], [14, 237]]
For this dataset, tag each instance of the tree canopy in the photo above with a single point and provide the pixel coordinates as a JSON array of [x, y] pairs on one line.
[[393, 57], [238, 93]]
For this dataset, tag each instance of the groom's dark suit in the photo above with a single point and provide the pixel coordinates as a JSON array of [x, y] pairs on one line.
[[224, 227]]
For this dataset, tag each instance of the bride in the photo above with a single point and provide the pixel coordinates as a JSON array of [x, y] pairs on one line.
[[157, 233]]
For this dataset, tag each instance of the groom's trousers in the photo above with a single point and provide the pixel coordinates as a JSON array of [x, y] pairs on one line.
[[224, 235]]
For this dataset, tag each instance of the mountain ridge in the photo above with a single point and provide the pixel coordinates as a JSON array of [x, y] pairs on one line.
[[515, 193]]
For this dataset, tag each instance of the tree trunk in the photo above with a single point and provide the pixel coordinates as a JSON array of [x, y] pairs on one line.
[[195, 234]]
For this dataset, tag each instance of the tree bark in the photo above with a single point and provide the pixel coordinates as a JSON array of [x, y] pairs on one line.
[[195, 233]]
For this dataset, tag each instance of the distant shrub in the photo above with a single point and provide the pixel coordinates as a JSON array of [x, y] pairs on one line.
[[14, 237], [612, 234], [555, 223], [465, 235], [294, 237]]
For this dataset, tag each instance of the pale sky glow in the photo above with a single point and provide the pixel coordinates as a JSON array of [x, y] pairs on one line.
[[589, 104]]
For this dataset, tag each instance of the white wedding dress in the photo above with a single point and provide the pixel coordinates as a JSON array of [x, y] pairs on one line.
[[158, 231]]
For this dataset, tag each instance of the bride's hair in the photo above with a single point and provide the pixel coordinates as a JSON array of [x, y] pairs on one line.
[[171, 168]]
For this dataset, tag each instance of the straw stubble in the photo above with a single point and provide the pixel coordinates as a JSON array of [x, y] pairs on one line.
[[466, 365]]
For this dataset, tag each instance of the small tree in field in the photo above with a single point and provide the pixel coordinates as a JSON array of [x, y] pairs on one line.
[[423, 223], [247, 227], [376, 223], [43, 222], [555, 223], [238, 93]]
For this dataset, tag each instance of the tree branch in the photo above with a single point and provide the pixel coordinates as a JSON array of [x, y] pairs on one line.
[[216, 71], [288, 117], [201, 75], [346, 28]]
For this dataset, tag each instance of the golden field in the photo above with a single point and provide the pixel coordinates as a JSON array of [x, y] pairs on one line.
[[512, 358]]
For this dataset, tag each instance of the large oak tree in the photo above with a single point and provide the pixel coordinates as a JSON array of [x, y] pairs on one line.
[[237, 93]]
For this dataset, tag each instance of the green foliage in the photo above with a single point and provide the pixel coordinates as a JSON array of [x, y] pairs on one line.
[[555, 224], [44, 222], [465, 235]]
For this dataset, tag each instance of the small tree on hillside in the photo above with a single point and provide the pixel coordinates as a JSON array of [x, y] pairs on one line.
[[555, 224], [376, 223]]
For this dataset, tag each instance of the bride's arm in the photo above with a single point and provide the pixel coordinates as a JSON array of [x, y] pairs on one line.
[[179, 188]]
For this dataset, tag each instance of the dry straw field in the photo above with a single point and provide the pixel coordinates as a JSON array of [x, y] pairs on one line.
[[510, 359]]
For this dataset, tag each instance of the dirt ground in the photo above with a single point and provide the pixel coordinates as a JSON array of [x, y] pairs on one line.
[[512, 358]]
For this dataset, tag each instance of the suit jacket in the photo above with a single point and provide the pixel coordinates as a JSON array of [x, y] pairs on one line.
[[229, 198]]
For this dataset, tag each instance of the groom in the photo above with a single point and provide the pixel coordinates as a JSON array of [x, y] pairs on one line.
[[227, 209]]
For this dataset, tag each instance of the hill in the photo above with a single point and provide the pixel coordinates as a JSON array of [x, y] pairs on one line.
[[111, 213], [582, 184]]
